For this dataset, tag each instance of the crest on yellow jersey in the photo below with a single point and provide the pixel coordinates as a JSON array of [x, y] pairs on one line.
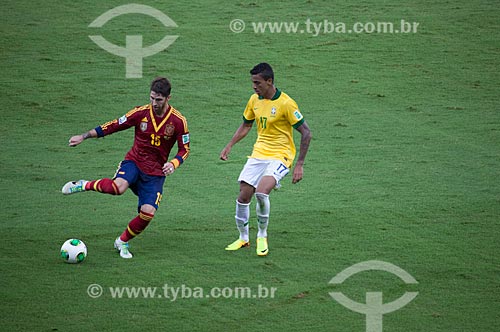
[[273, 111]]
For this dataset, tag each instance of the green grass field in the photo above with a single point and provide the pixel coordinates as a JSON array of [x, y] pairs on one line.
[[403, 168]]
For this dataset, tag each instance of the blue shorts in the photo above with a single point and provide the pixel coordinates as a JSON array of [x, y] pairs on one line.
[[148, 188]]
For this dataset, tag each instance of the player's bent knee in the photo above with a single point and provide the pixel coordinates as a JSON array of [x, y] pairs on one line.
[[262, 197], [121, 190], [149, 209], [121, 185], [246, 193]]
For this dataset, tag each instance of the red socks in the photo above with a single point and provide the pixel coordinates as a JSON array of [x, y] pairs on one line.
[[106, 186], [136, 226]]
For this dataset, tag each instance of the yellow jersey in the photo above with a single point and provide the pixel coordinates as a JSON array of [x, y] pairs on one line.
[[276, 118]]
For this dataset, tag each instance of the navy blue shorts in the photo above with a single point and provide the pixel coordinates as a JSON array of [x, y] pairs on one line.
[[148, 188]]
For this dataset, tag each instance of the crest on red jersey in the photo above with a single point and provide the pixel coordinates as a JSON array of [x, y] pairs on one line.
[[169, 130], [144, 124]]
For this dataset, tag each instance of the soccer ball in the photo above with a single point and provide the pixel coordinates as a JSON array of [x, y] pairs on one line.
[[73, 251]]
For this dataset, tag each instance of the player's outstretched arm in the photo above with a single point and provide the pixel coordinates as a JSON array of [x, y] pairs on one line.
[[77, 139], [240, 133]]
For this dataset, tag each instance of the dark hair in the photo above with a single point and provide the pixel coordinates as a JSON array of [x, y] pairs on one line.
[[162, 86], [264, 69]]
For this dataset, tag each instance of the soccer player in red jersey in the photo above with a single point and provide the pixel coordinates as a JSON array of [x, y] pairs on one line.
[[158, 127]]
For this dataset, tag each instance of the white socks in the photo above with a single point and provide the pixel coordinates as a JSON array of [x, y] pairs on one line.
[[263, 207], [242, 215]]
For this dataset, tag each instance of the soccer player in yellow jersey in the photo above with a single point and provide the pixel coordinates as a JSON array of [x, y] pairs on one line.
[[276, 115]]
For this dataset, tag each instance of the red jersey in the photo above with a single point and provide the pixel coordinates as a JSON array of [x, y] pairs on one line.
[[154, 137]]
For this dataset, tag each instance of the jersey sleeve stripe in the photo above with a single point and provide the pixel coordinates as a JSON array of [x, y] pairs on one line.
[[298, 124], [179, 159], [103, 127], [186, 154], [135, 110], [247, 121], [182, 118]]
